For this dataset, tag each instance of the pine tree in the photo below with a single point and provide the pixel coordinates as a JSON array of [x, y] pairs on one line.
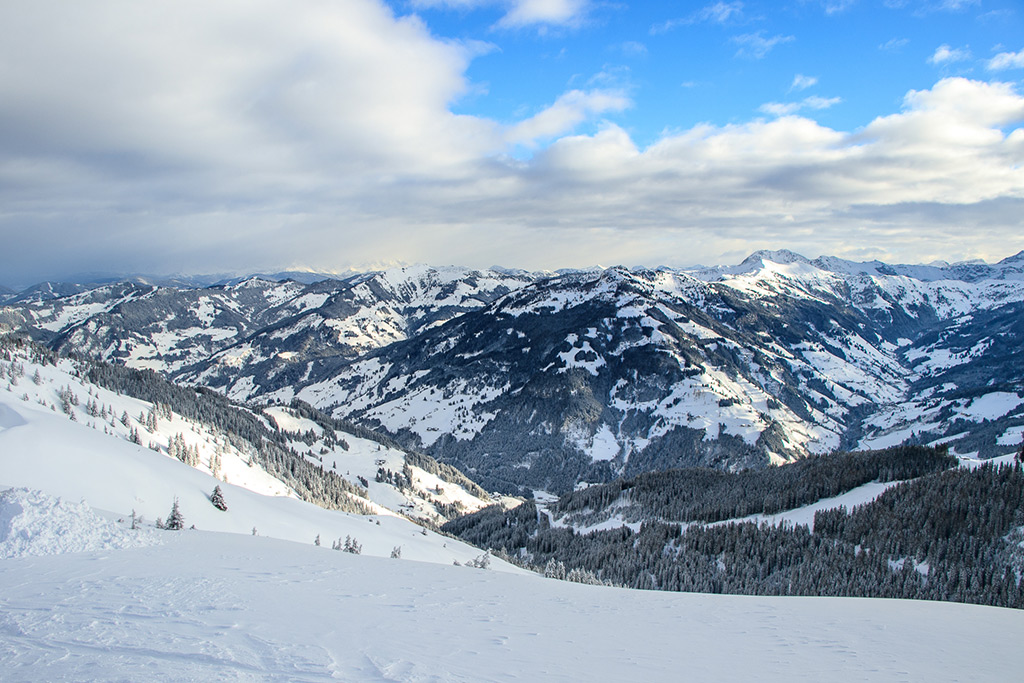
[[175, 520], [352, 546], [217, 498]]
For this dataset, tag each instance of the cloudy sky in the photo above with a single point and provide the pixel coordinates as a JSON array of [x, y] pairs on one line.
[[188, 136]]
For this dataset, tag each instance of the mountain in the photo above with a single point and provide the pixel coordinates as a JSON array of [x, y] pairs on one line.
[[294, 452], [93, 590], [532, 381]]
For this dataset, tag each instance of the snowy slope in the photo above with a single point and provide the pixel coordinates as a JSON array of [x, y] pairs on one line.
[[361, 461], [206, 606], [43, 451], [65, 436]]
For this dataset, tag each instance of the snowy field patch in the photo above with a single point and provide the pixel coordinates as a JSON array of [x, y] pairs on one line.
[[205, 607]]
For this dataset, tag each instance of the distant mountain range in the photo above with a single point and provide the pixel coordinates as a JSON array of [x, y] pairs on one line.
[[547, 381]]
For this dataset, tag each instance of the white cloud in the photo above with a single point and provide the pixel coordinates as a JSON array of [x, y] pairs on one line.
[[521, 13], [756, 46], [180, 135], [836, 6], [944, 54], [568, 111], [894, 44], [1006, 60], [718, 13], [787, 108], [801, 82], [530, 12]]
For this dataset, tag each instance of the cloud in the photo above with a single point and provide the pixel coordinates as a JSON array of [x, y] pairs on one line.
[[520, 13], [1006, 60], [801, 82], [632, 48], [568, 111], [180, 135], [557, 12], [718, 13], [756, 46], [787, 108], [894, 44], [836, 6], [944, 54]]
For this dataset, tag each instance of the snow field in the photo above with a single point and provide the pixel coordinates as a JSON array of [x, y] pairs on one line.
[[208, 606]]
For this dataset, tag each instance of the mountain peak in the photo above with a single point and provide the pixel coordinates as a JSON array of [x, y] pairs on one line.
[[774, 256]]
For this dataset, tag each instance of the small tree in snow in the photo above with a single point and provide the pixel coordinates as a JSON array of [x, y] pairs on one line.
[[481, 562], [217, 498], [396, 552], [175, 520], [350, 545]]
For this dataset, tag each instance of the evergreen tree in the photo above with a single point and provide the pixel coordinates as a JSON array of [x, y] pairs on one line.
[[352, 546], [217, 498], [175, 520]]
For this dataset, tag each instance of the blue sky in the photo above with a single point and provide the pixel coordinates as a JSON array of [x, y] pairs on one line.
[[180, 136], [685, 63]]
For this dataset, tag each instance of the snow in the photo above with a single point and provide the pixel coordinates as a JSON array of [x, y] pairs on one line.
[[206, 606], [431, 413], [990, 406], [70, 460], [33, 523], [1013, 436], [582, 356], [286, 421], [860, 495], [205, 311], [604, 445], [219, 603]]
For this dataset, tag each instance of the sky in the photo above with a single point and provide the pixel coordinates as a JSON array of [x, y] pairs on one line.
[[187, 136]]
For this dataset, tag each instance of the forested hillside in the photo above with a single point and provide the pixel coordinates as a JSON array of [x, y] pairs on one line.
[[949, 533]]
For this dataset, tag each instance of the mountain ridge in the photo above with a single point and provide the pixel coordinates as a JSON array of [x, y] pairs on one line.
[[546, 380]]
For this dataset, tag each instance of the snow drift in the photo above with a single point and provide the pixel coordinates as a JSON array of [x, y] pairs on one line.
[[33, 523]]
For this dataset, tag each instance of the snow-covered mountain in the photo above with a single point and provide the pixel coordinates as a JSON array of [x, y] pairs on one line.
[[248, 594], [279, 451], [541, 381]]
